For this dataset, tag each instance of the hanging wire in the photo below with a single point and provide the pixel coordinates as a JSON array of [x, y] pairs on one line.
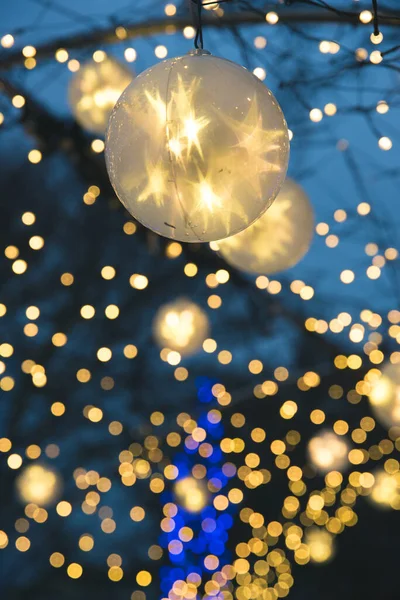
[[198, 40], [376, 18]]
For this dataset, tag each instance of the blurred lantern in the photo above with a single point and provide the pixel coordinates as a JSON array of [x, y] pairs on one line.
[[38, 484], [191, 494], [278, 239], [320, 544], [197, 148], [95, 89], [182, 326], [386, 490], [384, 396], [327, 451]]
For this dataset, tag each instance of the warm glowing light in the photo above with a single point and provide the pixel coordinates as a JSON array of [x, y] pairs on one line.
[[320, 544], [7, 41], [95, 89], [385, 143], [328, 452], [214, 150], [181, 326], [191, 493], [38, 484], [130, 54], [366, 16], [34, 156], [384, 395], [386, 489], [278, 239]]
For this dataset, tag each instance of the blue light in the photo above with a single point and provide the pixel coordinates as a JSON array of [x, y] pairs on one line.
[[208, 525]]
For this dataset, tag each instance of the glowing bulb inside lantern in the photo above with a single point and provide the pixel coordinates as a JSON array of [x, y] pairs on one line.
[[216, 139], [181, 326], [38, 484]]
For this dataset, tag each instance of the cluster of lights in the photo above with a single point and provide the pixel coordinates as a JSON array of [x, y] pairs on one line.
[[201, 485]]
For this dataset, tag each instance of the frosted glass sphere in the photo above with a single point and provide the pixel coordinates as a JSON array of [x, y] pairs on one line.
[[182, 326], [278, 239], [197, 148], [328, 452], [38, 484], [384, 396], [95, 89]]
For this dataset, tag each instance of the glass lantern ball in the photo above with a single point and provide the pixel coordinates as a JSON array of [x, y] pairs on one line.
[[278, 240], [95, 89], [197, 148], [181, 326]]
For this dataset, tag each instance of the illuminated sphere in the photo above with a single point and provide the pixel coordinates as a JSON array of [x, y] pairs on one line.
[[38, 484], [197, 148], [278, 239], [191, 493], [328, 451], [94, 90], [384, 396], [181, 326]]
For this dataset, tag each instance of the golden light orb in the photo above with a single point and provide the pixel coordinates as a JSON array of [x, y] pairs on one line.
[[328, 451], [386, 489], [38, 484], [384, 396], [213, 143], [95, 89], [277, 240], [191, 493], [181, 326], [320, 544]]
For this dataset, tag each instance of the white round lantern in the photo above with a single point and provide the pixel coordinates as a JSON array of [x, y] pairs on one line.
[[197, 148], [181, 326], [384, 396], [278, 239], [328, 452], [38, 484], [95, 89]]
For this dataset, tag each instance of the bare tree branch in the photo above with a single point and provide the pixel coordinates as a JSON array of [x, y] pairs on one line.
[[159, 26]]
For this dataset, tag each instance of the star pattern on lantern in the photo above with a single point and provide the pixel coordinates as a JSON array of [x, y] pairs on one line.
[[258, 143], [156, 186]]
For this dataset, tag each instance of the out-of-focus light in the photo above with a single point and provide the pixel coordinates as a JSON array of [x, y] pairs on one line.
[[366, 16], [385, 143], [191, 493], [260, 73], [130, 54], [272, 18], [328, 452], [38, 484], [316, 115], [320, 544]]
